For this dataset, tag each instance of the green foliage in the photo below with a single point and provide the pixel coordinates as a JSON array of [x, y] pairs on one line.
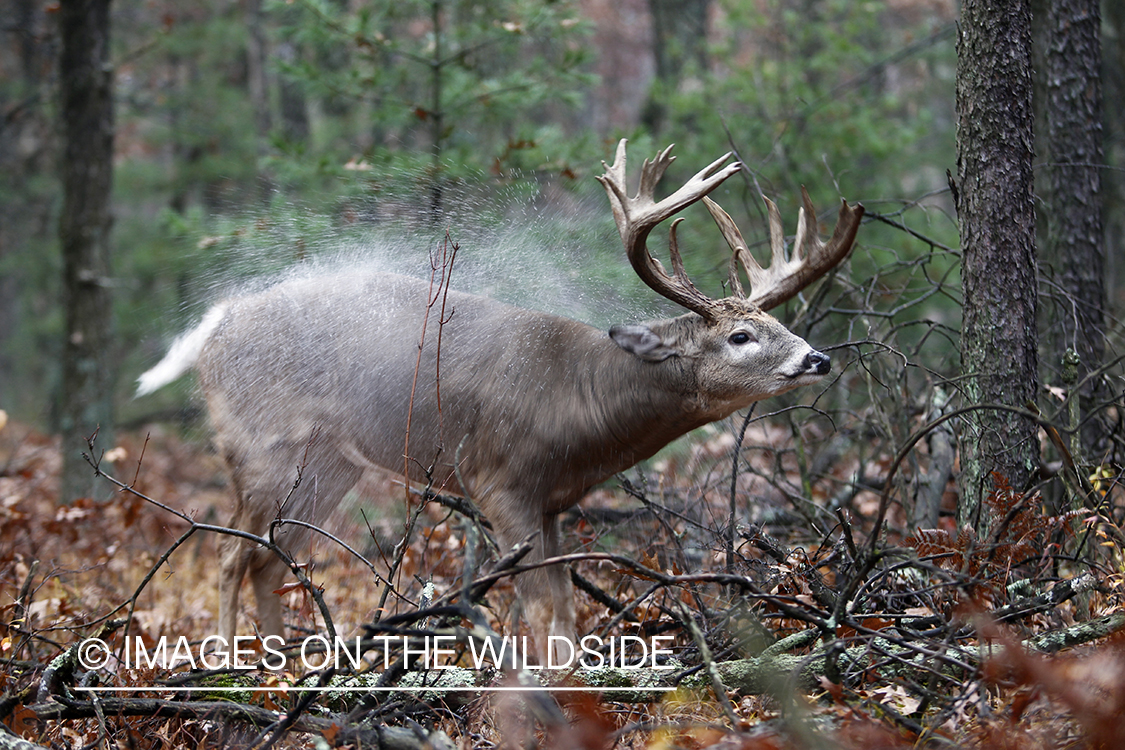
[[452, 88], [817, 98]]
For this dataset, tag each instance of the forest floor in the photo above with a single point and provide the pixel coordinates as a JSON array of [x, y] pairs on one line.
[[932, 639]]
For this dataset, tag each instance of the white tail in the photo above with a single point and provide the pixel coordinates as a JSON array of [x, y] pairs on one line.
[[534, 408], [183, 353]]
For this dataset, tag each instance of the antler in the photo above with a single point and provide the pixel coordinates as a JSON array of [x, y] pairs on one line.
[[784, 278], [637, 216]]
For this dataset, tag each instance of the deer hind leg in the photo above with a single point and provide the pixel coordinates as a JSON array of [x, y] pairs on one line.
[[234, 554], [264, 491], [266, 578]]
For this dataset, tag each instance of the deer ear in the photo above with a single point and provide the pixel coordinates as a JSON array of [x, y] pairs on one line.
[[641, 341]]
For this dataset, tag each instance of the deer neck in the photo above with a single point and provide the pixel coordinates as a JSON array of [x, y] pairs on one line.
[[646, 405]]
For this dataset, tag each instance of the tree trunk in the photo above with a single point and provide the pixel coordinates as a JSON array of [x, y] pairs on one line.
[[258, 87], [1074, 251], [27, 203], [679, 38], [996, 218], [86, 125], [1113, 80], [257, 78], [294, 108]]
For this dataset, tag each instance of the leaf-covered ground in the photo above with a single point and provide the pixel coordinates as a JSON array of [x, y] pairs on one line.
[[789, 633]]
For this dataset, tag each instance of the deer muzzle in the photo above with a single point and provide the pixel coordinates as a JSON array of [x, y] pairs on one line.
[[816, 362]]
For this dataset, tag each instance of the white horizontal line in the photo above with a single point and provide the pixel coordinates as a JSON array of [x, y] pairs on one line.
[[413, 689]]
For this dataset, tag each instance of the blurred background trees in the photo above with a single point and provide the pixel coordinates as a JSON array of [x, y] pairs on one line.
[[1071, 186]]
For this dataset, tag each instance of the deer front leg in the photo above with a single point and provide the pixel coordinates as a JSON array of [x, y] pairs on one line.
[[562, 616], [545, 593]]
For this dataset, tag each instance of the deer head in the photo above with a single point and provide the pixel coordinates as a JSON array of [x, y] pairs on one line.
[[745, 353]]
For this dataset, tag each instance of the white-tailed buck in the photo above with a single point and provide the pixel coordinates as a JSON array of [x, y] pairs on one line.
[[535, 409]]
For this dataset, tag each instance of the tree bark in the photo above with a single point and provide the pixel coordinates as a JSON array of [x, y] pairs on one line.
[[1074, 252], [1113, 104], [86, 125], [996, 218]]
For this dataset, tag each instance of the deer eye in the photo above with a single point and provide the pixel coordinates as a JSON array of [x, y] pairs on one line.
[[738, 338]]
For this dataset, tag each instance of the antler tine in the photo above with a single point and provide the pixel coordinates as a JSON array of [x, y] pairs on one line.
[[637, 216], [614, 179], [652, 171], [808, 229], [777, 245], [739, 251], [678, 270], [811, 258]]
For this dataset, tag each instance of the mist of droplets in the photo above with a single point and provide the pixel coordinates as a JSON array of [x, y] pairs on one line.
[[546, 249]]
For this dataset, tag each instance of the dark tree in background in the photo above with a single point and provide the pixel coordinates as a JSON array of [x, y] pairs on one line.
[[86, 168], [27, 51], [1113, 104], [996, 219], [1074, 253], [679, 39]]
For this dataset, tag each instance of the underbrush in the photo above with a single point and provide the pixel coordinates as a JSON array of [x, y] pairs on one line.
[[794, 603]]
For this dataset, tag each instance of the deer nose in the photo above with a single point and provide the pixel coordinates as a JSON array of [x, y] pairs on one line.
[[818, 363]]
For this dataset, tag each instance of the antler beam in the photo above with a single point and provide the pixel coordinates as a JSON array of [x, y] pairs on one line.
[[636, 217]]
